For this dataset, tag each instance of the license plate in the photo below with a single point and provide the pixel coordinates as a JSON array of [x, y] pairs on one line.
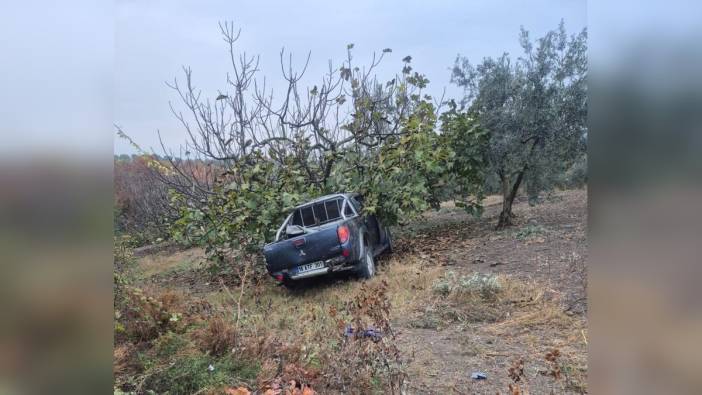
[[310, 266]]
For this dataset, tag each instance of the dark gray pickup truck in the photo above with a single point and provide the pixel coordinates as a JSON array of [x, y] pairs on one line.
[[328, 234]]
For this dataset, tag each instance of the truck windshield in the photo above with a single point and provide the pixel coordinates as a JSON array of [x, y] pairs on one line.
[[318, 213]]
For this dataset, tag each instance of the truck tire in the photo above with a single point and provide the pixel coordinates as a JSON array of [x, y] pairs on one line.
[[366, 263]]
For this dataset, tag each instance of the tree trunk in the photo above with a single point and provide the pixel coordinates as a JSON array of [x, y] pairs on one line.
[[506, 215], [508, 195], [507, 199]]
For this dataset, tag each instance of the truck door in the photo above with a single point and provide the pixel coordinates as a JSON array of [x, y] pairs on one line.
[[369, 220]]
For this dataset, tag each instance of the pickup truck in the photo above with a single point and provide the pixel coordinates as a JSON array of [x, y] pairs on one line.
[[329, 234]]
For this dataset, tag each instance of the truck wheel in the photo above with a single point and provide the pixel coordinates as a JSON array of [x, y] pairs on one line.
[[367, 264]]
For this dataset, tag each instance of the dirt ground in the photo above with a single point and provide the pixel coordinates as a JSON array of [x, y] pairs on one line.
[[552, 259], [545, 252]]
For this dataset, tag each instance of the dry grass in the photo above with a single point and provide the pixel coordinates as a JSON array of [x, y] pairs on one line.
[[299, 335], [123, 360], [143, 316], [291, 335], [164, 262], [478, 298], [218, 337], [537, 315], [410, 281], [300, 316]]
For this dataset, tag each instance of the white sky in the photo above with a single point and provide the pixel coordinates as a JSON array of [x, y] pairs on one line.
[[71, 69], [155, 38], [56, 63]]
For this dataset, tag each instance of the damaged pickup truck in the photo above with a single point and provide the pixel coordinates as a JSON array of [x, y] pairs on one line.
[[329, 234]]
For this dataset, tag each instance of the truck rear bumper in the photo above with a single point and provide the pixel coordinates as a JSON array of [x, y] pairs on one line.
[[332, 265], [311, 273]]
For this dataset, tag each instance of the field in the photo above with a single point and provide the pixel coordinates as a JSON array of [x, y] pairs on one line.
[[461, 298]]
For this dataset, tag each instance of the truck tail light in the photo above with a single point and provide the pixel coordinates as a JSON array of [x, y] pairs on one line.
[[299, 242], [343, 233]]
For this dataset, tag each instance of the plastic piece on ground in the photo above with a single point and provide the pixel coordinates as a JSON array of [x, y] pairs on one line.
[[478, 376]]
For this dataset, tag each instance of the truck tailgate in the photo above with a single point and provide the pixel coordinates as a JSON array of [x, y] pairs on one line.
[[318, 245]]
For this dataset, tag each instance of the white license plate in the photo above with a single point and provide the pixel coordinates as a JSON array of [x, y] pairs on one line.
[[310, 266]]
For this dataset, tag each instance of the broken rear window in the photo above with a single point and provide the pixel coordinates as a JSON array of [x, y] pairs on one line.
[[318, 213]]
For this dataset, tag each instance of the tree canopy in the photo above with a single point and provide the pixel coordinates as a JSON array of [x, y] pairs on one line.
[[534, 108], [259, 154]]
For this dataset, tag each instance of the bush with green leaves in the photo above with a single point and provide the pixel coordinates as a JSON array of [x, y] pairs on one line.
[[405, 176], [486, 286], [245, 207], [468, 140], [468, 298], [530, 230], [192, 373]]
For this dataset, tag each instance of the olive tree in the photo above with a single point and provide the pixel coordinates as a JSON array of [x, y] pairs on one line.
[[534, 108]]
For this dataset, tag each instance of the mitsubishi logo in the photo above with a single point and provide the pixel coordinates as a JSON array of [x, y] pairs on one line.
[[302, 253]]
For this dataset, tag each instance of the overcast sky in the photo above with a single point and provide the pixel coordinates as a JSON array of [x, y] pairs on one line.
[[155, 38], [70, 69]]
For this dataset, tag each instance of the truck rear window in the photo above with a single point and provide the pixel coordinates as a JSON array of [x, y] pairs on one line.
[[318, 213]]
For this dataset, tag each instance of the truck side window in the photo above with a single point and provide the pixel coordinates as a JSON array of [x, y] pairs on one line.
[[320, 213], [347, 210], [332, 207], [297, 218], [358, 205], [308, 216]]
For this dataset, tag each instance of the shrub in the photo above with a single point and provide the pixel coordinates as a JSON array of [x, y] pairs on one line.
[[530, 231], [169, 344], [122, 253], [486, 286], [445, 285], [142, 317], [189, 374], [218, 337], [469, 298]]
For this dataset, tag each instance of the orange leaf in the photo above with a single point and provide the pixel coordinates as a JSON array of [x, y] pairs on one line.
[[237, 391]]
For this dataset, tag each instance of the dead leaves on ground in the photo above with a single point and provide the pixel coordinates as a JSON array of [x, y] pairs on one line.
[[290, 379], [276, 388], [291, 387], [430, 249]]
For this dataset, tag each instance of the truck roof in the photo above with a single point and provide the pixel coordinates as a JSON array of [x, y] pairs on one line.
[[326, 197]]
